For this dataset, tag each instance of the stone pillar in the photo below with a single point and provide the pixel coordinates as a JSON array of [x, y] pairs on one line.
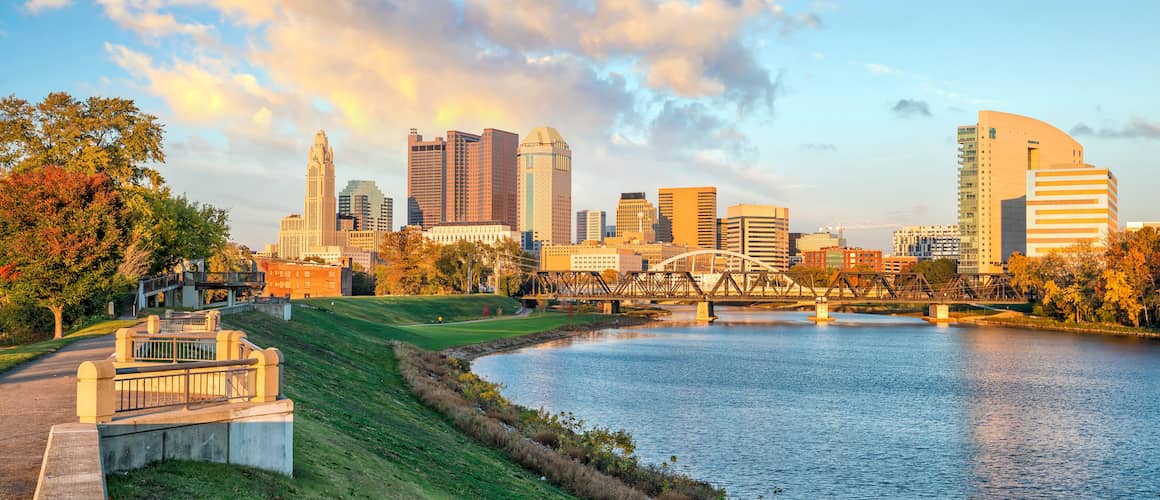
[[940, 312], [213, 321], [124, 348], [705, 312], [96, 391], [268, 379], [821, 311], [614, 307], [226, 349], [153, 324]]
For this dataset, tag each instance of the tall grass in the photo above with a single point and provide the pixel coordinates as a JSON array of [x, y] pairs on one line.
[[590, 463]]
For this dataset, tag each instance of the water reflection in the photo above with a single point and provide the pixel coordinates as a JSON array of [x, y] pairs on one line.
[[865, 407]]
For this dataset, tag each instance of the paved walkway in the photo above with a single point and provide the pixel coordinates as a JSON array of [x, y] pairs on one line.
[[33, 398], [519, 314]]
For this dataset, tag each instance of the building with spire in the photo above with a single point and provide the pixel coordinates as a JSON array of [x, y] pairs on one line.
[[319, 214], [544, 162]]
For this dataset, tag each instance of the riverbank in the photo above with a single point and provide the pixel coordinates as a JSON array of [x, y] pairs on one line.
[[1016, 320], [472, 351], [359, 432]]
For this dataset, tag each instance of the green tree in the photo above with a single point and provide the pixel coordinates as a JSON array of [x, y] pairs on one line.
[[937, 271], [60, 237], [361, 281], [461, 266], [169, 229], [96, 135]]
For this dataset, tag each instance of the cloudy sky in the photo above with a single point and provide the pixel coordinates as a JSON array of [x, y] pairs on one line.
[[843, 111]]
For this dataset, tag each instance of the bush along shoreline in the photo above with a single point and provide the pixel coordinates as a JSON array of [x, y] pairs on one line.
[[588, 462]]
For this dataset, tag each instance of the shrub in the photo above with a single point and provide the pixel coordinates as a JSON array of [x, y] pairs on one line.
[[547, 438]]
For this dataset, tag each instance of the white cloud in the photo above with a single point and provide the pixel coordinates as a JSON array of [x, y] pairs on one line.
[[879, 69], [37, 6]]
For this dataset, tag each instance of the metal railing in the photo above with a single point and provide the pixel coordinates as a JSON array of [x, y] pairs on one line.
[[245, 347], [228, 277], [149, 387], [173, 348], [161, 282]]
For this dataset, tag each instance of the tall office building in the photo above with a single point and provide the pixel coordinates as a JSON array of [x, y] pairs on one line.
[[994, 157], [590, 225], [365, 202], [319, 215], [759, 231], [545, 189], [634, 214], [425, 170], [291, 237], [927, 242], [463, 178], [688, 216], [1071, 206]]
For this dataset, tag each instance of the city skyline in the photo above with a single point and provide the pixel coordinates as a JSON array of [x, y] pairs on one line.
[[778, 126]]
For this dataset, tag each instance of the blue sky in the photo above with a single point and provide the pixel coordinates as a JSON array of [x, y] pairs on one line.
[[787, 103]]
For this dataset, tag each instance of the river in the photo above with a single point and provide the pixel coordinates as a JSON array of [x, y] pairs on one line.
[[871, 406]]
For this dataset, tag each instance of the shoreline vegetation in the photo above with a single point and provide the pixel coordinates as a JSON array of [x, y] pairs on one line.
[[588, 462]]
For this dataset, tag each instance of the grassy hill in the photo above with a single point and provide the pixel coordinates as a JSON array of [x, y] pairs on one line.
[[359, 433]]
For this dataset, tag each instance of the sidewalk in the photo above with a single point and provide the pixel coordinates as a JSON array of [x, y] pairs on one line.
[[33, 398]]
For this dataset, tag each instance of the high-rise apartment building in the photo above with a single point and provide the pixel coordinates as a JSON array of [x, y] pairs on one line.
[[590, 225], [1071, 206], [688, 216], [634, 214], [759, 231], [928, 242], [463, 178], [319, 214], [291, 237], [545, 189], [994, 157], [365, 202]]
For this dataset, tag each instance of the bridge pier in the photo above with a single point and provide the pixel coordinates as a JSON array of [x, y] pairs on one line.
[[821, 311], [939, 313], [705, 312], [609, 307]]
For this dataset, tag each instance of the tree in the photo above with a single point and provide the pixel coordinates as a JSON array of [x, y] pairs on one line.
[[169, 229], [460, 266], [97, 135], [610, 276], [361, 281], [60, 237], [937, 271], [409, 263]]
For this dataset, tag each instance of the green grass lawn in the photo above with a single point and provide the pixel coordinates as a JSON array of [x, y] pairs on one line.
[[11, 357], [358, 431]]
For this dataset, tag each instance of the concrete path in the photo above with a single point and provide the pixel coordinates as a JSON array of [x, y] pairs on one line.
[[33, 398]]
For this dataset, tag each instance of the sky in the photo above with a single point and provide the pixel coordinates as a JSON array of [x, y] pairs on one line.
[[845, 112]]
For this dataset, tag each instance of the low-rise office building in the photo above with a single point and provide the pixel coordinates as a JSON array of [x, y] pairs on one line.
[[844, 259], [486, 233], [1068, 207], [899, 263], [299, 280]]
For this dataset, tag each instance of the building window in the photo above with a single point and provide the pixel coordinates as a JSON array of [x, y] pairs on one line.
[[992, 132]]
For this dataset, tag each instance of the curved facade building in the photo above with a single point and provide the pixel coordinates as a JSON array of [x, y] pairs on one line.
[[995, 156], [544, 161]]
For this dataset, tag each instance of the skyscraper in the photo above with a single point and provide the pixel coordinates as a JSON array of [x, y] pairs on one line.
[[545, 188], [319, 214], [425, 170], [688, 216], [590, 225], [759, 231], [463, 178], [634, 214], [995, 155], [364, 201]]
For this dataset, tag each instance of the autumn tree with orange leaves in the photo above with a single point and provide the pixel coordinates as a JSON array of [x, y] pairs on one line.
[[61, 237]]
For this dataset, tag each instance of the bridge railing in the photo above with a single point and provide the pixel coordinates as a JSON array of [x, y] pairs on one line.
[[225, 278], [150, 387]]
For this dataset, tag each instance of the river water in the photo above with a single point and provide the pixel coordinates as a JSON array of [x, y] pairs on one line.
[[871, 406]]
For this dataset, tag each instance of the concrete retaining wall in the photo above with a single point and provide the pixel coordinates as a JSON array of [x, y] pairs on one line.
[[280, 311], [255, 434]]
